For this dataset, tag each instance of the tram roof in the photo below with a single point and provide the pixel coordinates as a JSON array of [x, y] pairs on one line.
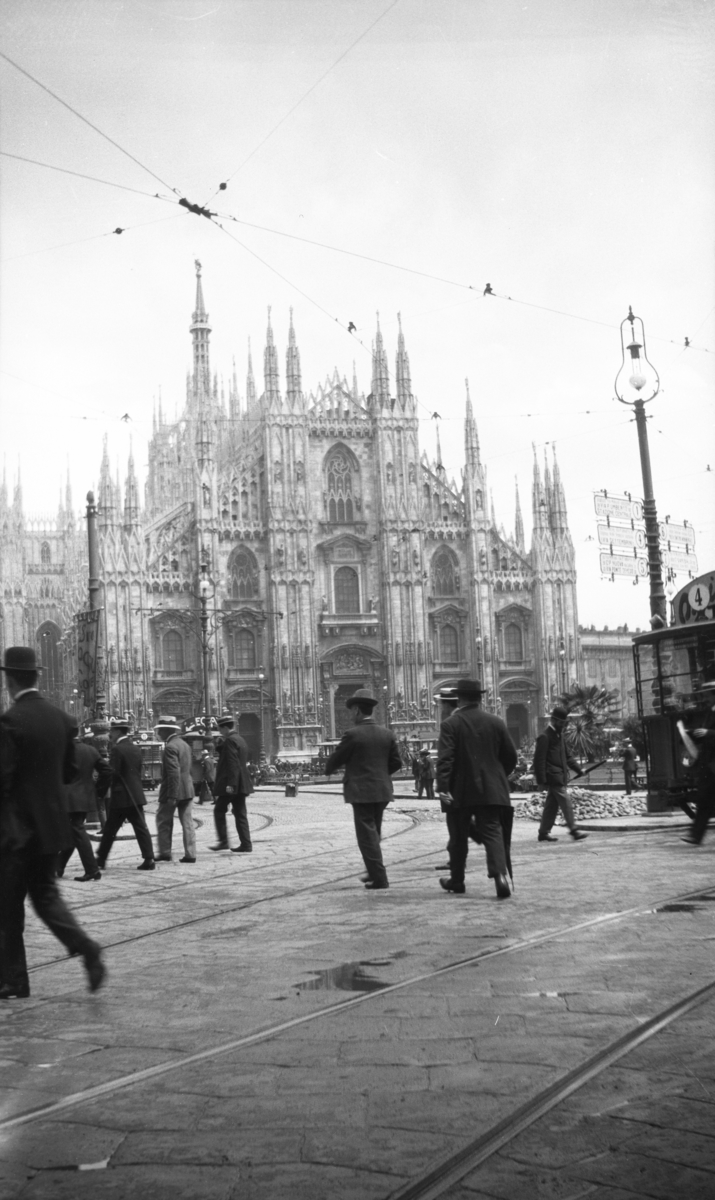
[[674, 631]]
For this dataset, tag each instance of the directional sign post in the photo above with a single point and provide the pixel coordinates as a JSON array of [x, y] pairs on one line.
[[619, 564], [617, 508], [616, 536], [678, 561], [677, 535]]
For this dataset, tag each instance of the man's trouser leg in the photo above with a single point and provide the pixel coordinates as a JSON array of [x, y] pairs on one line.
[[629, 777], [458, 826], [82, 844], [557, 797], [23, 873], [114, 822], [220, 810], [368, 822], [165, 826], [186, 816], [136, 818], [488, 824], [705, 808], [238, 804]]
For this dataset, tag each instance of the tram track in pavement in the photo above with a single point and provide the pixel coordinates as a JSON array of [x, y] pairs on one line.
[[436, 1180], [257, 901]]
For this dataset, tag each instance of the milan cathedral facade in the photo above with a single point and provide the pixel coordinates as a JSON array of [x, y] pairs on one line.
[[293, 547]]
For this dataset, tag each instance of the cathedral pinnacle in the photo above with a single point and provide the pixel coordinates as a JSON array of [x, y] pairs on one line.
[[471, 436], [518, 521], [200, 332], [270, 368], [293, 377], [380, 373], [402, 370]]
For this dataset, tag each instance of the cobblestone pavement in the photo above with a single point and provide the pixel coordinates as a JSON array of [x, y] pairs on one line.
[[269, 1029]]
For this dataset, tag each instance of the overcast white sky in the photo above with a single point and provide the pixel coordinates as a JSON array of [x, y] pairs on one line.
[[561, 150]]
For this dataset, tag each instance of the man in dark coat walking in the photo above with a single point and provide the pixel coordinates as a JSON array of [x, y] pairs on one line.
[[36, 762], [475, 755], [81, 798], [126, 796], [233, 784], [630, 766], [370, 756], [176, 791], [552, 763]]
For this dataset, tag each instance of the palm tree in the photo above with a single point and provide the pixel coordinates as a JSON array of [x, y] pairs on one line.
[[590, 710]]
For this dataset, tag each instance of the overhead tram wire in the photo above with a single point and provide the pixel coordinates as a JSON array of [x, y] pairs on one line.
[[93, 178], [92, 238], [96, 129], [304, 97]]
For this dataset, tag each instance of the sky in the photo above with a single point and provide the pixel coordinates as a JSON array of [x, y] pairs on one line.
[[562, 151]]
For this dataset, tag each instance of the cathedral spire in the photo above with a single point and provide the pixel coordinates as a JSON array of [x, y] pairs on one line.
[[105, 492], [380, 373], [538, 500], [270, 369], [200, 331], [559, 519], [471, 436], [131, 494], [293, 377], [250, 382], [518, 521], [402, 369]]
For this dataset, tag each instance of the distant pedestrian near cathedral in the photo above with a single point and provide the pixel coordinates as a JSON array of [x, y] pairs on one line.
[[176, 792], [552, 763], [126, 796], [233, 783]]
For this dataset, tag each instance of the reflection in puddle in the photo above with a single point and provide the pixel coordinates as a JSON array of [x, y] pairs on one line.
[[350, 977]]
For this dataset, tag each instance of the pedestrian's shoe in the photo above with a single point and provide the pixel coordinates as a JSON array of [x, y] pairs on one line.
[[163, 858], [547, 837], [376, 887], [89, 877], [578, 835], [94, 967], [10, 991], [101, 864], [450, 886], [690, 840], [501, 884], [187, 859], [220, 846], [242, 849], [147, 865]]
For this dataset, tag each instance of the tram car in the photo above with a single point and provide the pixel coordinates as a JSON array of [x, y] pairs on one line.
[[151, 752], [671, 665]]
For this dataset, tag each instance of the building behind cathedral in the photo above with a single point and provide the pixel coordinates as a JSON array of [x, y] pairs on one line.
[[337, 555]]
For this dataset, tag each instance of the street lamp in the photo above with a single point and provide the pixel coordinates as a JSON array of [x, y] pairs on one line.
[[204, 592], [562, 660], [636, 384], [261, 744]]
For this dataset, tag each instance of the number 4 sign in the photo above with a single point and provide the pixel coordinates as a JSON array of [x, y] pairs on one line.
[[699, 596]]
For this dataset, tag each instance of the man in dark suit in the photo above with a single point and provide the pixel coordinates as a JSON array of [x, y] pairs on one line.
[[36, 762], [81, 799], [176, 792], [126, 796], [475, 756], [552, 763], [370, 756], [233, 784]]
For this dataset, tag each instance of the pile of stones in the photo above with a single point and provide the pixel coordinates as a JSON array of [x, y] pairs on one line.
[[587, 805]]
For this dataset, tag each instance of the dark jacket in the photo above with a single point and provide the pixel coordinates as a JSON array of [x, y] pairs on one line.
[[125, 760], [552, 760], [176, 782], [630, 760], [36, 761], [370, 756], [232, 775], [81, 793], [474, 757]]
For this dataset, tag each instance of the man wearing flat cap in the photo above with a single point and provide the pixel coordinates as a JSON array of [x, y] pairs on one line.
[[474, 757], [36, 763], [126, 796], [552, 763], [233, 784], [370, 756]]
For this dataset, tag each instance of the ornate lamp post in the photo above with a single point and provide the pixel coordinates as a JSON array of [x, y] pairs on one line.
[[562, 662], [636, 384], [261, 744], [204, 592]]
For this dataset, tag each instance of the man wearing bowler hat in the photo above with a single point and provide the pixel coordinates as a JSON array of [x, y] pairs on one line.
[[233, 784], [126, 796], [36, 762], [370, 756], [475, 756]]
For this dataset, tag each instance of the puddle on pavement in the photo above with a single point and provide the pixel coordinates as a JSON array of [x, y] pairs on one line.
[[705, 896], [350, 977], [671, 908]]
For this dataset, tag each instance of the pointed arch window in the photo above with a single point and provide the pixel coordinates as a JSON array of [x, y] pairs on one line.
[[513, 644], [449, 644], [173, 651], [45, 555], [242, 649], [347, 590], [443, 574], [244, 577], [340, 501]]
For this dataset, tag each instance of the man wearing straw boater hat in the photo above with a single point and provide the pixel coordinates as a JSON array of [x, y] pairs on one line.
[[126, 795], [233, 784], [370, 756], [475, 756], [36, 762]]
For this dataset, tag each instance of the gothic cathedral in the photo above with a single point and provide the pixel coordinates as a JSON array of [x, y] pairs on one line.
[[293, 547]]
